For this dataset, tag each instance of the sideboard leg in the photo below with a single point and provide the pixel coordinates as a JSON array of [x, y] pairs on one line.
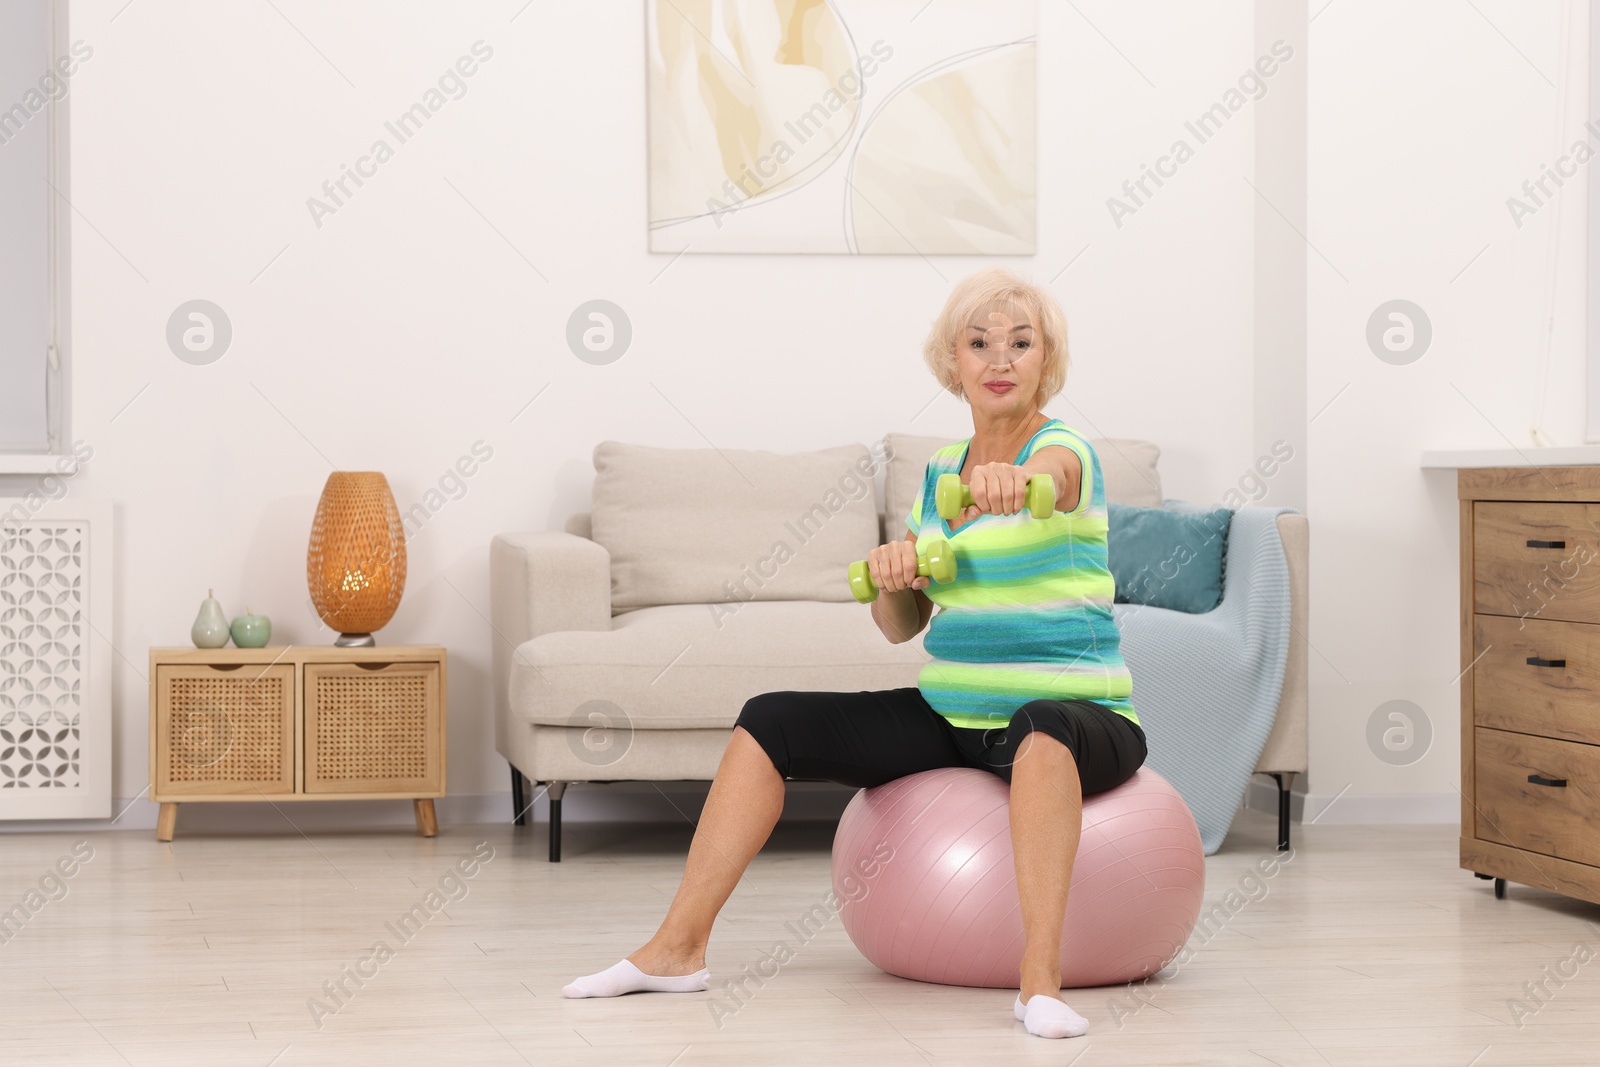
[[1499, 890], [166, 822], [427, 824]]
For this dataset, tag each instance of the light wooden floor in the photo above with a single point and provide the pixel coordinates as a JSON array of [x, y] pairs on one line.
[[1369, 947]]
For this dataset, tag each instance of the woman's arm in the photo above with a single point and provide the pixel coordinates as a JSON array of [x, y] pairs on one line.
[[902, 608], [1001, 488], [1063, 465]]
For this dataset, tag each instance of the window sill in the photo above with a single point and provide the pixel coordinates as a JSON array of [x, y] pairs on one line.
[[37, 463]]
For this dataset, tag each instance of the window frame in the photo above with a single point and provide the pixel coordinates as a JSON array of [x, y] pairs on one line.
[[58, 265], [1592, 250]]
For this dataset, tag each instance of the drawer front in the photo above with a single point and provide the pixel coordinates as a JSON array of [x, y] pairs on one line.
[[1536, 676], [223, 730], [374, 728], [1539, 560], [1550, 819]]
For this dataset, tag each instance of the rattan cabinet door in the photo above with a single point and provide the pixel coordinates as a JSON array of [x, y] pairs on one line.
[[223, 730], [374, 728]]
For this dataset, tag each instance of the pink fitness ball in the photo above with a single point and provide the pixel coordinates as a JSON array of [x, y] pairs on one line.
[[925, 882]]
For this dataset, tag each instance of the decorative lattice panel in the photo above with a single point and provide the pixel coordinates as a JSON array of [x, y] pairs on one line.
[[371, 726], [227, 729], [43, 597]]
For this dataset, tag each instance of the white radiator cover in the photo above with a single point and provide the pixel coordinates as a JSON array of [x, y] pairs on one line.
[[55, 659]]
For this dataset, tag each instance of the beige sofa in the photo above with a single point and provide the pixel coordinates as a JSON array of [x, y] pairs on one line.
[[627, 644]]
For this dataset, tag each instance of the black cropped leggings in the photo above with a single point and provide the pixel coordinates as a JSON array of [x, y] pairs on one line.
[[868, 738]]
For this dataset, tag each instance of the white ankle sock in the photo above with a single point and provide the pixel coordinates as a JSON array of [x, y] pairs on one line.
[[624, 977], [1049, 1017]]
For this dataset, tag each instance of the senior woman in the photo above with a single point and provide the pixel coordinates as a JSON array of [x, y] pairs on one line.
[[1026, 677]]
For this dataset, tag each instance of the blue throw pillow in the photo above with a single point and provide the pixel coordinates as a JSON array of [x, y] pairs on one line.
[[1168, 559]]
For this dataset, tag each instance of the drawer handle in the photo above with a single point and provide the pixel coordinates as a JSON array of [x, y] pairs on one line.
[[1547, 544], [1535, 661], [1536, 779]]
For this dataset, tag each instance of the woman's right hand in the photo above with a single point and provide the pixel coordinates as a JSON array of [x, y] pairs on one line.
[[894, 567]]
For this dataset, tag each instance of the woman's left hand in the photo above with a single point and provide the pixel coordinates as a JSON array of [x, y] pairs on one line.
[[997, 489]]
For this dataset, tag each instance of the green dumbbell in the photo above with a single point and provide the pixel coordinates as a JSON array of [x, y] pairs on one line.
[[951, 497], [939, 564]]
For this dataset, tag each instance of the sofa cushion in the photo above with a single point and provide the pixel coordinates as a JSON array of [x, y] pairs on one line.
[[685, 665], [698, 526], [1127, 466], [1168, 559]]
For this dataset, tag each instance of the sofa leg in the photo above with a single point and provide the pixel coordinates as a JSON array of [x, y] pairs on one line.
[[556, 789], [1285, 780], [519, 816]]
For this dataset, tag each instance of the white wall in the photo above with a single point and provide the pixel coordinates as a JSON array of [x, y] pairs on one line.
[[1279, 181], [405, 329], [1423, 120]]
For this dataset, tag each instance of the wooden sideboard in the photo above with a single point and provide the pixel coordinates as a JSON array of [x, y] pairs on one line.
[[297, 723], [1530, 682]]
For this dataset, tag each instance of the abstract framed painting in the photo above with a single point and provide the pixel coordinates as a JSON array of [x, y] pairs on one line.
[[877, 127]]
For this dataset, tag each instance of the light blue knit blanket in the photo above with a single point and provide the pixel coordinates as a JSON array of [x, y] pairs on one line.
[[1206, 687]]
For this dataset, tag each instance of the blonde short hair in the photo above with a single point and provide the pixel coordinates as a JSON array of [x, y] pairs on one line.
[[984, 289]]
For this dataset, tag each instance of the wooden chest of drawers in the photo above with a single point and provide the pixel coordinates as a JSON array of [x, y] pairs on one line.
[[1530, 683]]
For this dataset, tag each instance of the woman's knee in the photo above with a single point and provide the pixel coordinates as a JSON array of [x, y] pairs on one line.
[[761, 710], [1052, 720], [1048, 717], [1106, 748], [745, 746], [762, 720]]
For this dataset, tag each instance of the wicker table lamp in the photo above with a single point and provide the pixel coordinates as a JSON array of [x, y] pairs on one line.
[[356, 565]]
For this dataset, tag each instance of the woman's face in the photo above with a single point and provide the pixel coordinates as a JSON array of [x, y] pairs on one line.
[[999, 361]]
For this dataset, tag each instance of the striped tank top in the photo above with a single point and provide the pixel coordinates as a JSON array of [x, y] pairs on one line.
[[1029, 614]]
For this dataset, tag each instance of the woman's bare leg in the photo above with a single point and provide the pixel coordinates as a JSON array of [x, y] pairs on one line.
[[741, 809], [1046, 823]]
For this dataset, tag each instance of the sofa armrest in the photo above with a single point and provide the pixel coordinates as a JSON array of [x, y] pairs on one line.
[[544, 581], [539, 583], [1287, 747]]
